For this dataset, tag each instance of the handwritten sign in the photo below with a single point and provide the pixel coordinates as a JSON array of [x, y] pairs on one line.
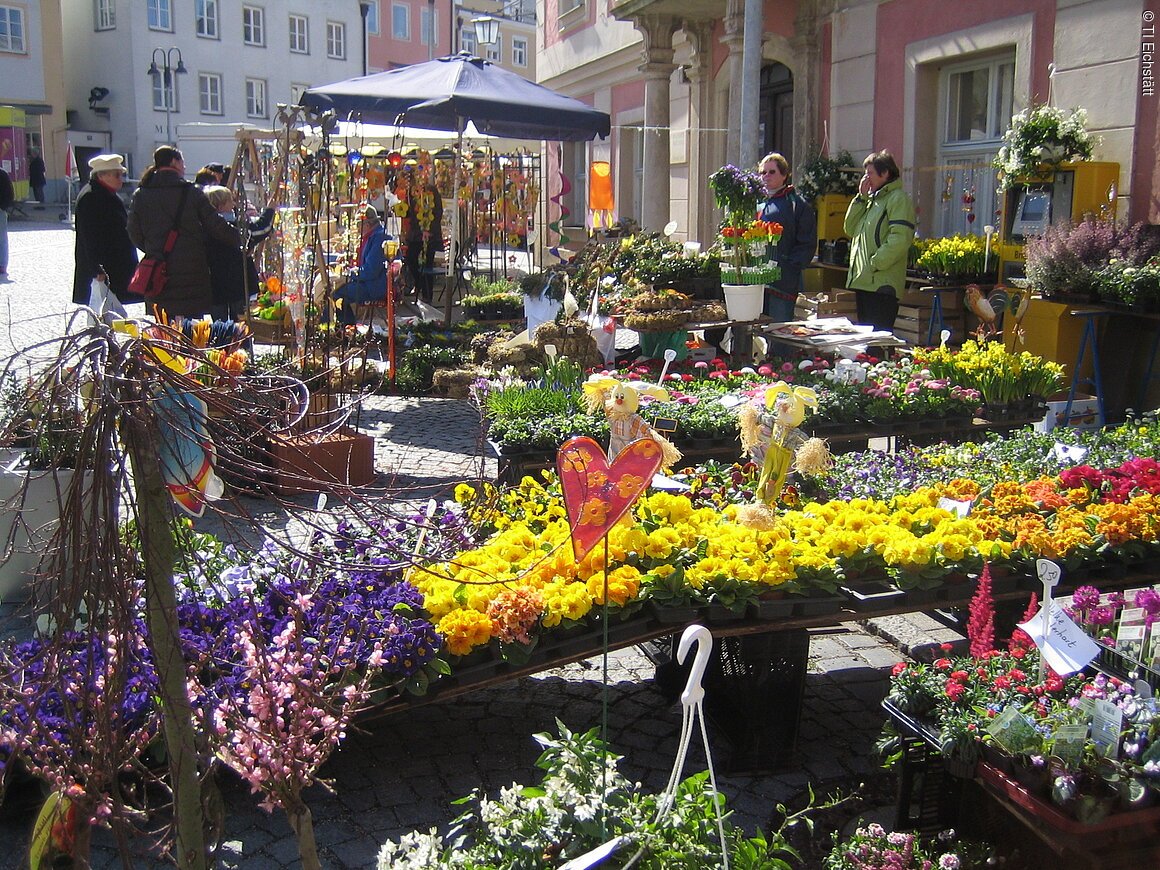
[[1064, 646]]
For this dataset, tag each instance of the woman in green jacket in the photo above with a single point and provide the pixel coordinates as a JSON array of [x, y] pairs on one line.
[[880, 222]]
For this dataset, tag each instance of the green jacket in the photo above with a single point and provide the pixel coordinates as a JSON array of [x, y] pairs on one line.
[[881, 229]]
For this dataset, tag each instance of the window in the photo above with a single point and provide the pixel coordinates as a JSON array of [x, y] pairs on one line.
[[209, 93], [519, 51], [160, 15], [106, 14], [401, 22], [296, 92], [495, 52], [373, 17], [467, 40], [11, 29], [567, 6], [253, 25], [978, 101], [256, 98], [164, 96], [429, 21], [299, 39], [336, 40], [206, 13]]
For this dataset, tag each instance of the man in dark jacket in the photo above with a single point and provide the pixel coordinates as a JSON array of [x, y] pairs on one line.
[[37, 179], [163, 198], [102, 243]]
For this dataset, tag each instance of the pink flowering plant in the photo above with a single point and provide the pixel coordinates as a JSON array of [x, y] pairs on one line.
[[872, 847]]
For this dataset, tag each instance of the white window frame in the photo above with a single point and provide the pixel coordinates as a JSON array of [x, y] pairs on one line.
[[205, 14], [160, 15], [495, 50], [519, 51], [999, 105], [300, 40], [296, 91], [14, 19], [967, 161], [209, 93], [374, 20], [429, 24], [467, 40], [254, 25], [164, 91], [336, 40], [405, 35], [257, 106], [570, 12], [105, 15]]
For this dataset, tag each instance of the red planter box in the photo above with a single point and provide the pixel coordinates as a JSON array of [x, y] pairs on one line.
[[313, 463]]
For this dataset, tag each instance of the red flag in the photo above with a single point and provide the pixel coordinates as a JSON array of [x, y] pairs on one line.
[[70, 164]]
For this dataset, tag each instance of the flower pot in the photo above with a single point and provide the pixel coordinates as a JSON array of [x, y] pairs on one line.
[[674, 614], [743, 301], [309, 464], [36, 518]]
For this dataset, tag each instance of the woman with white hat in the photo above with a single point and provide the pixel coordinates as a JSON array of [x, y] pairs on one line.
[[103, 244]]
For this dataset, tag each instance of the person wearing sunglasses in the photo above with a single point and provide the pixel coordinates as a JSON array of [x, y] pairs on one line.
[[799, 235]]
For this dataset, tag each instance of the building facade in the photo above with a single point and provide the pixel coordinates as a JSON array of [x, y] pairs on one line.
[[934, 82], [138, 69]]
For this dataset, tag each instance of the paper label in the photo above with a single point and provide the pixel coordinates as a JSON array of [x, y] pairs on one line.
[[1130, 641], [1107, 723], [1068, 744], [1064, 646], [1069, 452], [959, 508], [1015, 732]]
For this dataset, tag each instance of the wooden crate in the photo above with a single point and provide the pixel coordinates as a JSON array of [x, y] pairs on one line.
[[833, 303], [913, 324]]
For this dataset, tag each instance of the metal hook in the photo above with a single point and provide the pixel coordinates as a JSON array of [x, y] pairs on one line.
[[694, 693]]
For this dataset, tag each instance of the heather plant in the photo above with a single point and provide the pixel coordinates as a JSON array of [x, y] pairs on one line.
[[1067, 258]]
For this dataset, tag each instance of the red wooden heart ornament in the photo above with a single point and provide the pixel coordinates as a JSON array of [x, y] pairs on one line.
[[596, 494]]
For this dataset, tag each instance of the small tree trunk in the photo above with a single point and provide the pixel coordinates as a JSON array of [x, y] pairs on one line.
[[155, 516], [303, 824]]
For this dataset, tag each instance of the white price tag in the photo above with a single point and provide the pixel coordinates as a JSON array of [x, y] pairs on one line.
[[1069, 452], [961, 509]]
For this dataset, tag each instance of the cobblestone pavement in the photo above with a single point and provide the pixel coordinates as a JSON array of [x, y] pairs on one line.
[[401, 772]]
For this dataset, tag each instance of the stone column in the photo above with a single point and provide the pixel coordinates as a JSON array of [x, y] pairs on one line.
[[657, 68], [734, 38], [701, 223], [807, 62]]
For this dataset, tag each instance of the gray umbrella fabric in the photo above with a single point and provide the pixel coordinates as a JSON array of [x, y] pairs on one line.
[[445, 93]]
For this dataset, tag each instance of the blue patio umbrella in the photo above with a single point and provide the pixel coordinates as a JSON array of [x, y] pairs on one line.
[[446, 93]]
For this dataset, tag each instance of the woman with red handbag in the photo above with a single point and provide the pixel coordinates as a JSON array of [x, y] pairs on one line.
[[170, 220]]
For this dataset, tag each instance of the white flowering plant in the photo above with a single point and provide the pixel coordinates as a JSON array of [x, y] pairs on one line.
[[582, 802], [1042, 136]]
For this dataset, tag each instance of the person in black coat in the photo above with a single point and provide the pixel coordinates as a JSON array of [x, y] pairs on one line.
[[234, 275], [103, 244], [37, 179]]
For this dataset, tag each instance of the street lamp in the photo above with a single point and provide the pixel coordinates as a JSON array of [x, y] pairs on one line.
[[163, 75], [486, 30]]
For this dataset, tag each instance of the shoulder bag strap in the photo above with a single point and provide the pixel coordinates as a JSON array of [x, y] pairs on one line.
[[171, 239]]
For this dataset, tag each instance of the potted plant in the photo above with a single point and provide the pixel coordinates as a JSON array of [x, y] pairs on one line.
[[1039, 139], [1066, 260], [958, 259], [822, 176]]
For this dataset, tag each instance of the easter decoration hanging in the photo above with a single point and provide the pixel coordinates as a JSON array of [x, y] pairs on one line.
[[771, 437], [621, 403]]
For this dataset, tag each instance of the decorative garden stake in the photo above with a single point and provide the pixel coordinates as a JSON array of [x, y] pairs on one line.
[[621, 402], [596, 494]]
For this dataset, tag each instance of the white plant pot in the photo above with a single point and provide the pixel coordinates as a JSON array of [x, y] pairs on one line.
[[29, 521], [743, 301]]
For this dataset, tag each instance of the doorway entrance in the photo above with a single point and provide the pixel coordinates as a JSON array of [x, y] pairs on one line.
[[775, 113]]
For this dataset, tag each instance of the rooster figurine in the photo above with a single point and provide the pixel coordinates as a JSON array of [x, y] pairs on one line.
[[621, 402], [983, 309]]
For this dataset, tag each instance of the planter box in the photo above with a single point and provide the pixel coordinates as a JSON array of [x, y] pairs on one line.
[[29, 521], [1085, 413], [308, 463]]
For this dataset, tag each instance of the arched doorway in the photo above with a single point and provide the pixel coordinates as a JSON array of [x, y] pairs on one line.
[[775, 115]]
